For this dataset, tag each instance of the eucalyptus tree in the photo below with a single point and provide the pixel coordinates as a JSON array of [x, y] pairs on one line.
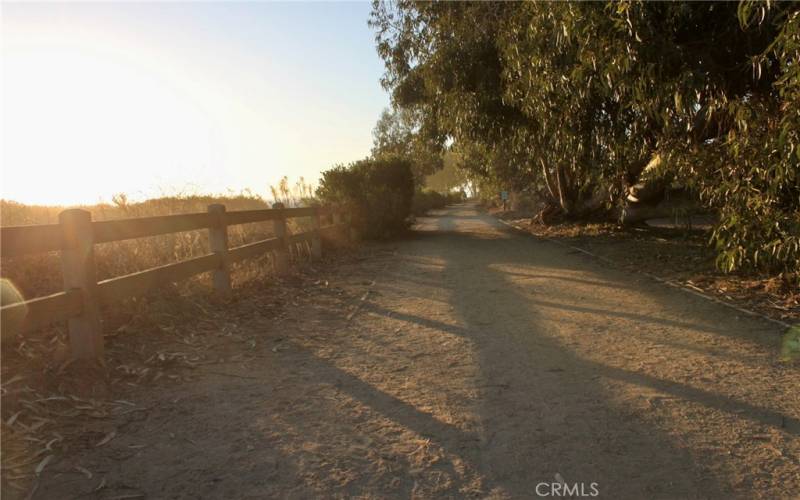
[[731, 131], [397, 133], [585, 101], [443, 63]]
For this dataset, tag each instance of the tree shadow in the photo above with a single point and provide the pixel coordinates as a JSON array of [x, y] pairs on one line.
[[528, 434], [319, 426]]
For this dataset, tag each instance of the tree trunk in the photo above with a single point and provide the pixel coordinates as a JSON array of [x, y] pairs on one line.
[[548, 181], [564, 194]]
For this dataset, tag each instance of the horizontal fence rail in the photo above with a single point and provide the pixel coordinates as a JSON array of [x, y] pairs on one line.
[[128, 229], [76, 234], [122, 287], [20, 240], [253, 249], [37, 313]]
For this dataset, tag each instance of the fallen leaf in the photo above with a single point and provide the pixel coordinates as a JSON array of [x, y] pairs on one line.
[[46, 460], [106, 439], [13, 418], [15, 378], [86, 472]]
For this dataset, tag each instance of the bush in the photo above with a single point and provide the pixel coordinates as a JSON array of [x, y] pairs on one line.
[[454, 197], [377, 191], [425, 200]]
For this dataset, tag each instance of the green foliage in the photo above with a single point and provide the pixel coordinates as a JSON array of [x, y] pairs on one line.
[[734, 96], [574, 100], [425, 200], [450, 177], [377, 191], [397, 134]]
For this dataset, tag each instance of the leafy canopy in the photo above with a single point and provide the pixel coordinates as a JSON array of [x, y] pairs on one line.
[[574, 100]]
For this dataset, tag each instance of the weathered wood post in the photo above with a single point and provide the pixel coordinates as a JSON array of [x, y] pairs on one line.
[[316, 241], [338, 220], [218, 243], [79, 272], [337, 216], [282, 253], [351, 228]]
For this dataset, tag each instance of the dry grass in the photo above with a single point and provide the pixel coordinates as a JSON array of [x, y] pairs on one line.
[[49, 404], [37, 275], [147, 338], [40, 274]]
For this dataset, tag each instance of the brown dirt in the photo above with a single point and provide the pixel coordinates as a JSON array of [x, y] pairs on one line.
[[465, 361], [680, 255]]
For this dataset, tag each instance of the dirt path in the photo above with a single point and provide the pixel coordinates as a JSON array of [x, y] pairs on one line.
[[475, 362]]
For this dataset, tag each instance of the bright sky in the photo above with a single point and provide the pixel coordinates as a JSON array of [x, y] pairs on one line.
[[147, 98]]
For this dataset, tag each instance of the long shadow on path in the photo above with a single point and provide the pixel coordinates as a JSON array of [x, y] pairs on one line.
[[554, 410]]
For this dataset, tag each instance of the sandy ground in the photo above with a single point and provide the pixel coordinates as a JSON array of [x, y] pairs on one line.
[[464, 361], [678, 255]]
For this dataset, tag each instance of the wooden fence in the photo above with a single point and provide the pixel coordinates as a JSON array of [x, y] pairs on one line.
[[76, 234]]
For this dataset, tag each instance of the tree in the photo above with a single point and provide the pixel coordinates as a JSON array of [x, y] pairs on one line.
[[397, 134], [597, 104], [450, 177]]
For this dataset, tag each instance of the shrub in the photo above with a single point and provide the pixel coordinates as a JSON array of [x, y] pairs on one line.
[[425, 200], [454, 197], [377, 191]]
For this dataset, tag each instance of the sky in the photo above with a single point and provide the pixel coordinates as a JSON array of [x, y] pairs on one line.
[[161, 98]]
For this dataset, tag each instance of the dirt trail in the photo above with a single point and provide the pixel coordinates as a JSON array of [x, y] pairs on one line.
[[476, 362]]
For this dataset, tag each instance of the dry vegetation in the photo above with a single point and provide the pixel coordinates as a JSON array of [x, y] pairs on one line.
[[37, 275], [44, 395], [51, 406]]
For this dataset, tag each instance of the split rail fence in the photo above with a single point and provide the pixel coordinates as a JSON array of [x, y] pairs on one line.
[[76, 234]]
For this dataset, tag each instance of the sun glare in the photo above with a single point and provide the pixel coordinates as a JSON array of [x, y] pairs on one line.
[[154, 99], [87, 114], [80, 122]]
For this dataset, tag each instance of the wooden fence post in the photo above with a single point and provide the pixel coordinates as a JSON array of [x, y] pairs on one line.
[[352, 232], [316, 241], [343, 220], [282, 253], [338, 220], [218, 243], [79, 272]]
